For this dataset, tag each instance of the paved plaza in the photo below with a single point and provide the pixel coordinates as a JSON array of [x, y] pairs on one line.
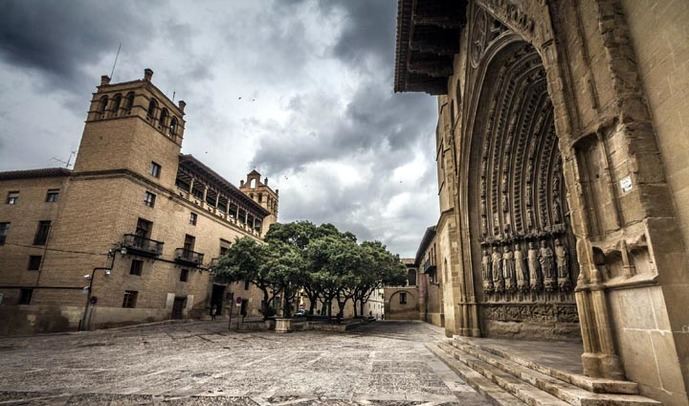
[[382, 363]]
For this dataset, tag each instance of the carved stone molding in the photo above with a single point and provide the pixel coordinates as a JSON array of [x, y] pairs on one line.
[[526, 249]]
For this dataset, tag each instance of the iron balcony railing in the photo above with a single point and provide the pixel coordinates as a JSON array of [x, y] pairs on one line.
[[142, 245], [188, 257]]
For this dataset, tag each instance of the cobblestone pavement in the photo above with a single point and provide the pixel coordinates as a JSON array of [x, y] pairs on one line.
[[383, 363]]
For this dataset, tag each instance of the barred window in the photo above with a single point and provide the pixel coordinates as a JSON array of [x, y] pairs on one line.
[[150, 199], [4, 230], [155, 169], [52, 195], [34, 262], [12, 197], [129, 300], [41, 236], [136, 267]]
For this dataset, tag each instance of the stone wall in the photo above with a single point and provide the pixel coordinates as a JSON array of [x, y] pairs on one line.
[[615, 72], [100, 202], [395, 310]]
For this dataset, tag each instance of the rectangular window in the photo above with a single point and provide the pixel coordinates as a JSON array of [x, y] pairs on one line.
[[42, 232], [193, 218], [143, 228], [4, 230], [184, 275], [25, 296], [52, 195], [403, 298], [137, 267], [246, 285], [12, 197], [155, 169], [129, 300], [150, 199], [189, 242], [34, 262], [224, 246]]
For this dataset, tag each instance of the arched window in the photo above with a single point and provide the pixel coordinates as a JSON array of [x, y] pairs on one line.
[[163, 119], [152, 107], [102, 104], [129, 103], [173, 126], [116, 101]]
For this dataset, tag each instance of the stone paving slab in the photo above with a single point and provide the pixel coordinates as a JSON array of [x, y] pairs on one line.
[[382, 363]]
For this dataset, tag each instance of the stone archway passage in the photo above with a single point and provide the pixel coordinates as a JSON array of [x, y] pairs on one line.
[[520, 234]]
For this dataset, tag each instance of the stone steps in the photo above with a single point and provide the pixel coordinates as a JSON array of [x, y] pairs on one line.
[[481, 384], [597, 385], [535, 385]]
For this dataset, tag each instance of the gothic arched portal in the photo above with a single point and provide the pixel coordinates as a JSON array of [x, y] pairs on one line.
[[522, 247]]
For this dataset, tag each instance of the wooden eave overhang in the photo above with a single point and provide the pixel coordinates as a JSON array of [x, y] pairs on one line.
[[428, 237], [427, 40]]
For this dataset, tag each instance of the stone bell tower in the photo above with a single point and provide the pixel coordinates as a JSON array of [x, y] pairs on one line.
[[132, 126], [263, 195]]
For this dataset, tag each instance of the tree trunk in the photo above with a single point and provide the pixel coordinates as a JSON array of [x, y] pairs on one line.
[[313, 301], [264, 304]]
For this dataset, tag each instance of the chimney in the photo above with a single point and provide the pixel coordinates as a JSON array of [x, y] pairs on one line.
[[182, 104], [104, 80], [241, 183], [148, 74]]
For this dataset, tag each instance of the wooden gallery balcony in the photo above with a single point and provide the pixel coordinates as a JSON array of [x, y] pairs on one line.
[[185, 256], [138, 245]]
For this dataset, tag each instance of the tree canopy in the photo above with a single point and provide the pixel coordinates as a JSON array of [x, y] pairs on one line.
[[327, 265]]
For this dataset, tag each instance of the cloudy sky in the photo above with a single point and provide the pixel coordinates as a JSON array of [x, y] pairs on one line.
[[299, 90]]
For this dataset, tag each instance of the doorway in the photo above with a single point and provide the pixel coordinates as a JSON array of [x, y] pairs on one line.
[[178, 307]]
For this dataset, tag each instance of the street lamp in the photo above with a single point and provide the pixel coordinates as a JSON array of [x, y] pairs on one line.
[[89, 289]]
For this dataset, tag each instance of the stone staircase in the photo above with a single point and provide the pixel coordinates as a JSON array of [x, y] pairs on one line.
[[507, 379]]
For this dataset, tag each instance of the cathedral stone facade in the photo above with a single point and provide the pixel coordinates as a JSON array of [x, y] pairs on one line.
[[562, 157]]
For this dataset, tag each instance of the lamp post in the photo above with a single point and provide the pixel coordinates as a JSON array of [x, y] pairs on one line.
[[90, 299]]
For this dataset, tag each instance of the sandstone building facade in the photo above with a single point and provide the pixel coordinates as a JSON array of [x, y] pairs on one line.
[[562, 147], [136, 220]]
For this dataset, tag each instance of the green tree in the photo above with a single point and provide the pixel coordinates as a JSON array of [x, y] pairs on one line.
[[245, 261], [327, 264]]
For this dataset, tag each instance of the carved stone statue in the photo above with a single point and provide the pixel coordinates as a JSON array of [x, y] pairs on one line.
[[534, 270], [557, 210], [562, 262], [508, 269], [547, 266], [487, 272], [521, 269], [498, 280]]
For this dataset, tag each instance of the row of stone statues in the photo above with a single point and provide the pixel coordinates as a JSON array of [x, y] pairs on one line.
[[509, 270]]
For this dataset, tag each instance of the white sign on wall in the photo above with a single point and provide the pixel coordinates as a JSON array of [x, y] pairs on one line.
[[626, 184]]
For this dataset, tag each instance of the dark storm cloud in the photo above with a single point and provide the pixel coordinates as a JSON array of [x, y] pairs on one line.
[[61, 38], [368, 32], [325, 126], [374, 118]]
